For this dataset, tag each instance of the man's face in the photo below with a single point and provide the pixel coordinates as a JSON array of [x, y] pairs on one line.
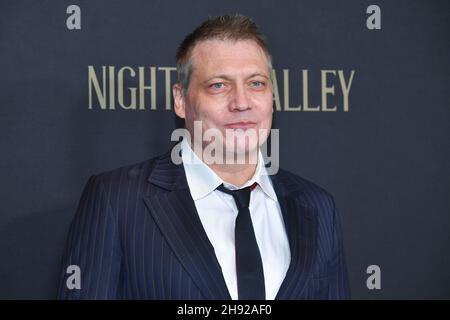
[[229, 89]]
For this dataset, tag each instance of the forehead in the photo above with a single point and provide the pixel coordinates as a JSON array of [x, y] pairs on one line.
[[227, 56]]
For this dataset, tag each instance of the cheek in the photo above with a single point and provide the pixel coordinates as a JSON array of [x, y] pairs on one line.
[[208, 114], [265, 113], [212, 111]]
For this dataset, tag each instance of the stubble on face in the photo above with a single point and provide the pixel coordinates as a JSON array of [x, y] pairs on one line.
[[230, 90]]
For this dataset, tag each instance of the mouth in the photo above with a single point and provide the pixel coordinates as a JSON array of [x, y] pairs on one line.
[[241, 125]]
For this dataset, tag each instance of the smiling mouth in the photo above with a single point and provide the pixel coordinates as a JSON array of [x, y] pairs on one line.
[[241, 125]]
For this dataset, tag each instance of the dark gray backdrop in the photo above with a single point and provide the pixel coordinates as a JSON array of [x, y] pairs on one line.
[[386, 160]]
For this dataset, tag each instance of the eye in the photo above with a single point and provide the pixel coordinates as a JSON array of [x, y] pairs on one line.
[[257, 84], [218, 85]]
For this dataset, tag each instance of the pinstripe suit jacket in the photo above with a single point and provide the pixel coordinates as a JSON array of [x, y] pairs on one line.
[[137, 235]]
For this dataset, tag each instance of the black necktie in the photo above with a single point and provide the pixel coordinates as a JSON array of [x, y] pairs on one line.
[[249, 268]]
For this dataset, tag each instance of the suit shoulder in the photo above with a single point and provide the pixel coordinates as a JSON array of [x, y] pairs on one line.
[[132, 173], [314, 192]]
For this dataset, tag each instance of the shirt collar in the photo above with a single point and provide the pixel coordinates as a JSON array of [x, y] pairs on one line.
[[202, 180]]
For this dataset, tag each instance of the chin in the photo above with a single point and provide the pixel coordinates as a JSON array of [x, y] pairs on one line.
[[246, 151]]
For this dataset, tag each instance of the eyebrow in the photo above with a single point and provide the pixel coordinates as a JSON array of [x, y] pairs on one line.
[[224, 76]]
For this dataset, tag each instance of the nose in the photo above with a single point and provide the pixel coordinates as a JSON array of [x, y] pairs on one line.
[[240, 99]]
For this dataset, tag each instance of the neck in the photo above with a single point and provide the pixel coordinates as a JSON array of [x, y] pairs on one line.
[[236, 174]]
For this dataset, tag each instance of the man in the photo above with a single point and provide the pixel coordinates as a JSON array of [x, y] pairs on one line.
[[205, 229]]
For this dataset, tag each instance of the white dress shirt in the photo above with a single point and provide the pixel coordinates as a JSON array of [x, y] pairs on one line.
[[218, 212]]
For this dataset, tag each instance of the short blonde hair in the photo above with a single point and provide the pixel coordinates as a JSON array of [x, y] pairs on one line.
[[227, 27]]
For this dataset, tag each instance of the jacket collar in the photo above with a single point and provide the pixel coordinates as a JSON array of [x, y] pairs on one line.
[[173, 209]]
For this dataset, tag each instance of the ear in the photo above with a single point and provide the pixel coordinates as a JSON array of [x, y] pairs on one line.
[[179, 103]]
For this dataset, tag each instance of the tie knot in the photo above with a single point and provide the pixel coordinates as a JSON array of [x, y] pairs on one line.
[[241, 196]]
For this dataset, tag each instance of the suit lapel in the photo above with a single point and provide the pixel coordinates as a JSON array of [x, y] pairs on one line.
[[301, 227], [174, 211]]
